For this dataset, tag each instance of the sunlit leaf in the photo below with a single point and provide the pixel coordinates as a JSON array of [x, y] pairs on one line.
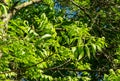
[[81, 52], [93, 49], [99, 48], [73, 49], [4, 9], [87, 51], [46, 36], [81, 55], [76, 53]]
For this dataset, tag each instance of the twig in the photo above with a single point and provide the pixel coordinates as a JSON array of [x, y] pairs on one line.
[[77, 70], [24, 68], [60, 29], [94, 20], [39, 62], [62, 64], [81, 8], [60, 73]]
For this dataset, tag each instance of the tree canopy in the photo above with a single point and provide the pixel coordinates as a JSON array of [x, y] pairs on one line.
[[60, 40]]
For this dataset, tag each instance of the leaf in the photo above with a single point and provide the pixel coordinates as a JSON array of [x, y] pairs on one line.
[[46, 36], [81, 52], [45, 52], [87, 51], [49, 2], [81, 55], [76, 54], [4, 8], [43, 16], [41, 54], [99, 48], [73, 49], [93, 49], [112, 71], [9, 2]]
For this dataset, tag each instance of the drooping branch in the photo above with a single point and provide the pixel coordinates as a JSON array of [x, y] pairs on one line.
[[66, 62], [19, 7], [82, 8], [25, 68], [76, 70]]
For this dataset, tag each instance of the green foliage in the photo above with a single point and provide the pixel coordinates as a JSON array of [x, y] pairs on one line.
[[41, 43], [49, 2], [114, 76], [3, 10], [27, 46]]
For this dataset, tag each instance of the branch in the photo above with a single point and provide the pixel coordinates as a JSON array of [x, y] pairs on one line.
[[82, 8], [60, 29], [16, 8], [61, 64], [76, 70], [39, 62], [94, 20], [24, 68]]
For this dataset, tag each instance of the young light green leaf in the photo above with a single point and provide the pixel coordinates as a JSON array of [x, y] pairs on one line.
[[87, 51], [46, 36], [81, 55], [76, 54], [99, 48], [45, 52], [43, 16], [93, 49], [4, 8], [41, 54], [49, 2], [73, 49], [80, 52]]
